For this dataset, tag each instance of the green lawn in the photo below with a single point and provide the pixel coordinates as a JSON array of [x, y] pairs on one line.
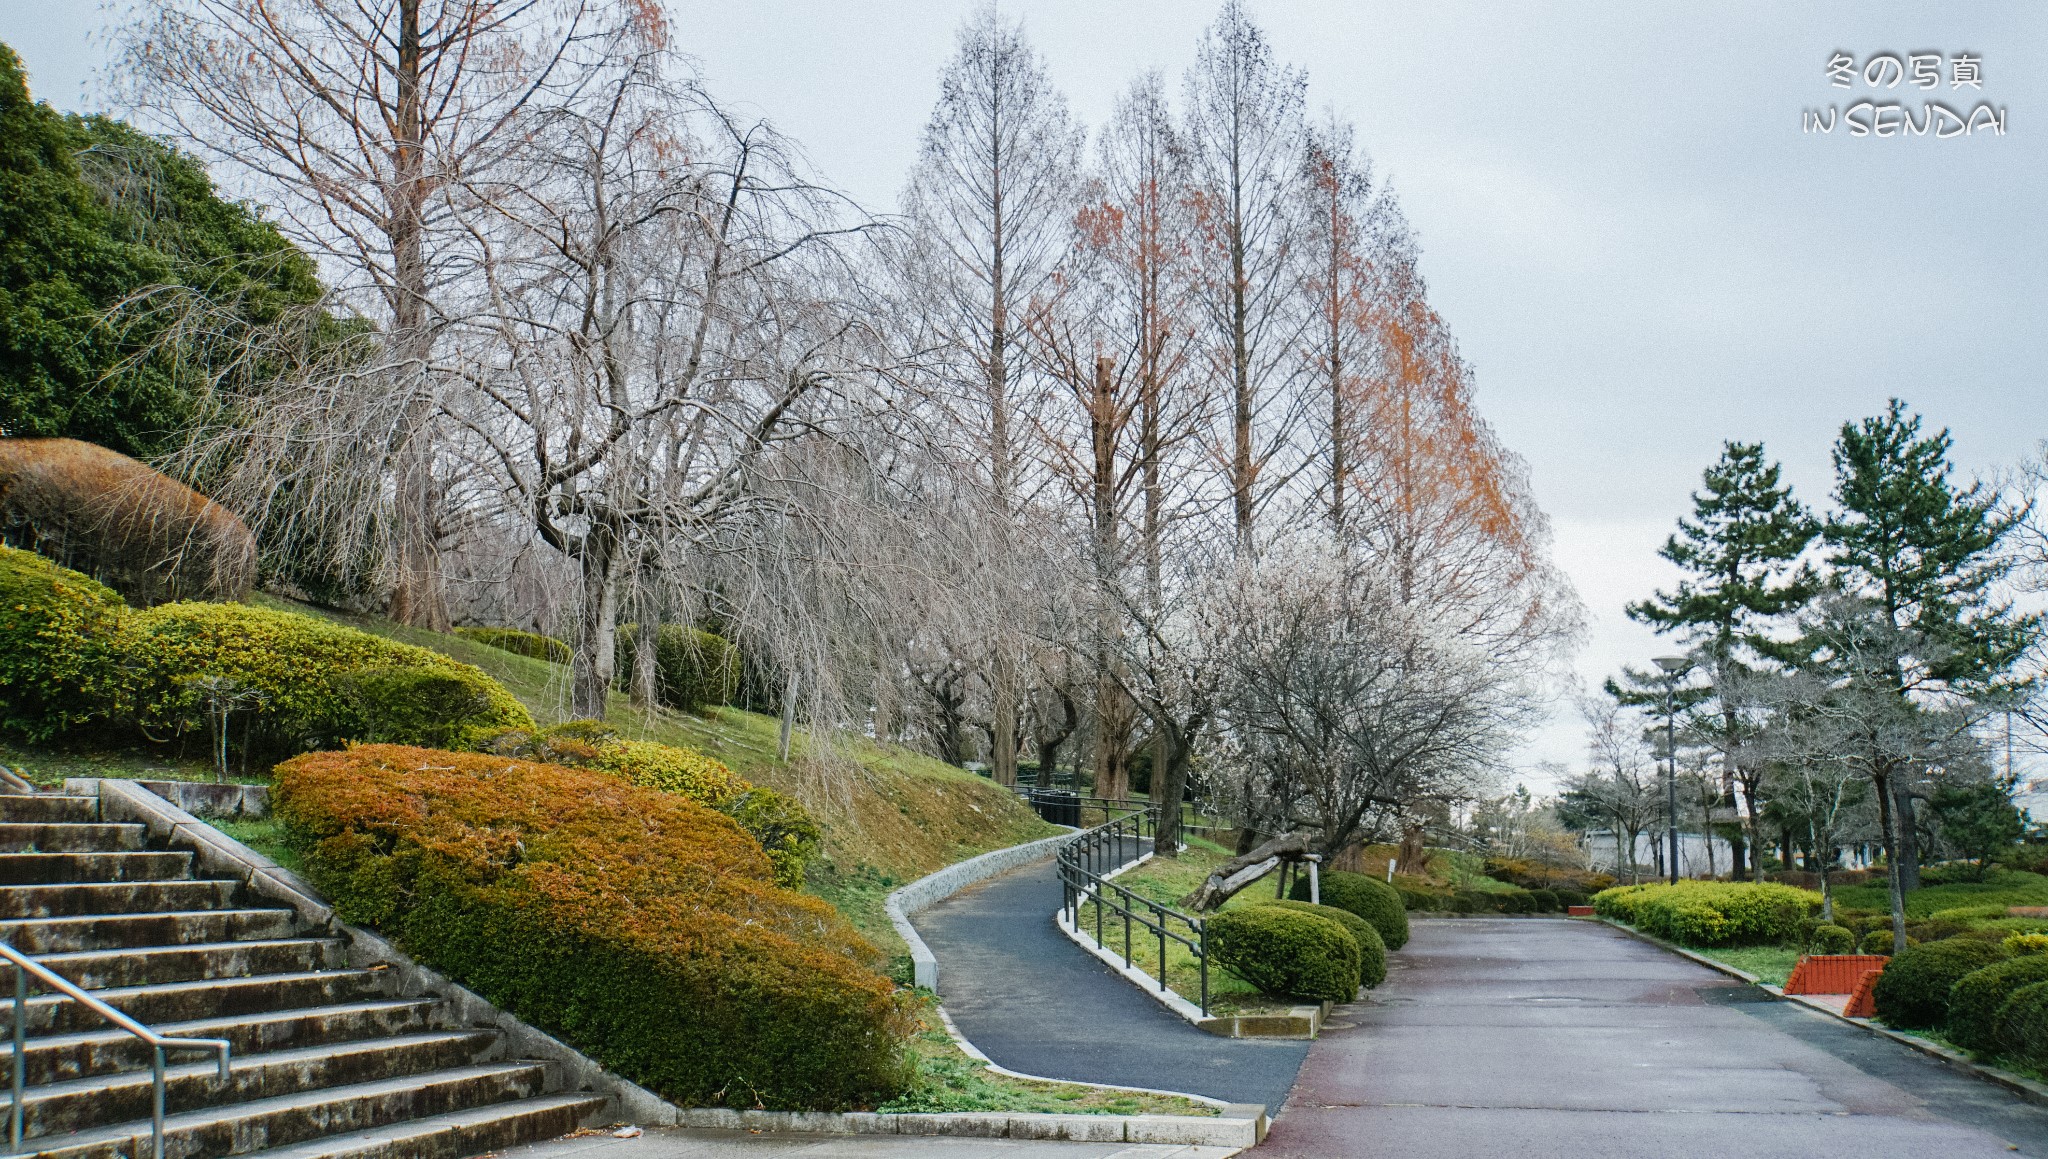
[[948, 1080], [1773, 964], [2000, 887]]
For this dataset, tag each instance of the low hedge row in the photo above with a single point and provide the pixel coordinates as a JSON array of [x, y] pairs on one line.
[[71, 654], [1486, 901], [1710, 913], [640, 926], [1913, 991]]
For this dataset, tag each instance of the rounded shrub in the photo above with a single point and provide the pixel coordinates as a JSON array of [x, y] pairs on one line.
[[641, 927], [1372, 952], [1368, 897], [305, 682], [531, 645], [2023, 1023], [58, 634], [1566, 898], [692, 668], [1286, 953], [1976, 998], [1913, 991], [1546, 901], [1425, 900], [1831, 939], [1879, 941]]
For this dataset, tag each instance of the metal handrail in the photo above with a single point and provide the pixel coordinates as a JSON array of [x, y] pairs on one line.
[[1081, 862], [24, 966]]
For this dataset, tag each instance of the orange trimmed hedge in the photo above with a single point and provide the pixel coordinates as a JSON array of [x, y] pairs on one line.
[[639, 926]]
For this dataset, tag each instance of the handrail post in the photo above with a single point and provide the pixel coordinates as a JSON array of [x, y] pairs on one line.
[[14, 1114], [156, 1101]]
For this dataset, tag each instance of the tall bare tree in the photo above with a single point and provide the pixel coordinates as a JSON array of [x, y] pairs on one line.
[[357, 121], [1245, 134], [987, 208]]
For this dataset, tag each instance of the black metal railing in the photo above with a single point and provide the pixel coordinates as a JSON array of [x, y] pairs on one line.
[[1084, 864], [1066, 807]]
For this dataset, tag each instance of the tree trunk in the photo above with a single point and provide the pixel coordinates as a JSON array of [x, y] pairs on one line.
[[1003, 730], [1887, 827], [418, 598], [1169, 786], [646, 677], [1227, 879], [1909, 837], [594, 663]]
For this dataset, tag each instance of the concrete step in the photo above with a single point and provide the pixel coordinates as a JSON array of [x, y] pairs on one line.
[[471, 1132], [77, 837], [129, 931], [218, 997], [97, 969], [47, 808], [102, 1100], [53, 868], [289, 1120], [58, 1058], [113, 897]]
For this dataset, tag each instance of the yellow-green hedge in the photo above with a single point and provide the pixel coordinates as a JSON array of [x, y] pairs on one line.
[[1710, 913], [57, 631], [318, 682], [639, 926]]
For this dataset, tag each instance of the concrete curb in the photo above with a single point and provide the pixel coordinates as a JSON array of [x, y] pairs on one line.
[[218, 854], [1176, 1129], [933, 888], [2020, 1085]]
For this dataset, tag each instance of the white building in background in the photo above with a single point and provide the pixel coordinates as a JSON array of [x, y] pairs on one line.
[[1603, 850], [2032, 798]]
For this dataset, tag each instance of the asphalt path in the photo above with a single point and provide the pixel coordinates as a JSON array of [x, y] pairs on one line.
[[1567, 1038], [1035, 1002]]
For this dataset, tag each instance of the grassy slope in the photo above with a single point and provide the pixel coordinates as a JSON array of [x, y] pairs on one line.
[[889, 815]]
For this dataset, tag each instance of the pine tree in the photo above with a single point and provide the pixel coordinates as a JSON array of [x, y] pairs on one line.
[[1927, 554], [1740, 551]]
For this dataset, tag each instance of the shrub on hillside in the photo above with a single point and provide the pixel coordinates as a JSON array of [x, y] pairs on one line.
[[780, 823], [1286, 953], [1372, 952], [1831, 939], [1976, 998], [2026, 944], [1914, 989], [692, 668], [1530, 874], [641, 927], [1710, 913], [312, 682], [2023, 1023], [531, 645], [1368, 897], [142, 532], [56, 632], [1428, 901], [1880, 941], [1545, 901]]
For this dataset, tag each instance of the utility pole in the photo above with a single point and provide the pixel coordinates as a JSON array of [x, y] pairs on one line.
[[1673, 667]]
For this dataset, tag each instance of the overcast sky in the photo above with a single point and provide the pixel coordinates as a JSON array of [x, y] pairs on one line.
[[1640, 252]]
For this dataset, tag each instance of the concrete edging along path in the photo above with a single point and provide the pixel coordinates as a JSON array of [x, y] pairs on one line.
[[2020, 1085]]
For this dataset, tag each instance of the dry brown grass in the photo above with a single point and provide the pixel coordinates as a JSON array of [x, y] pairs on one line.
[[140, 532]]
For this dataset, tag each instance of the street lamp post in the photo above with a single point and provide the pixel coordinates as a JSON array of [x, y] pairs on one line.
[[1674, 667]]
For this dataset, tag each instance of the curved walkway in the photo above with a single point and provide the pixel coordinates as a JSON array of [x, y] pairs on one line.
[[1035, 1002], [1556, 1038]]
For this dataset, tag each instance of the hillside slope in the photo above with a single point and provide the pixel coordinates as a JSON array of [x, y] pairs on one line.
[[889, 815]]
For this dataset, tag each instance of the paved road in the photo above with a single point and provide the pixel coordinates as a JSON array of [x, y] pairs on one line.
[[1555, 1038], [1034, 1002]]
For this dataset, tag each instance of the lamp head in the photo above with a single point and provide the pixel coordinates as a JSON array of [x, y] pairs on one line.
[[1673, 665]]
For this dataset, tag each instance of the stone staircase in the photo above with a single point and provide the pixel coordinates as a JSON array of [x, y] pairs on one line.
[[329, 1062]]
